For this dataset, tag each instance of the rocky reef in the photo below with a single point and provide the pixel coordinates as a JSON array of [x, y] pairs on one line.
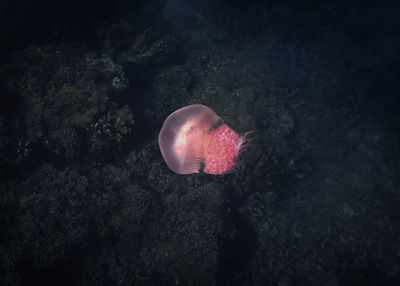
[[86, 198]]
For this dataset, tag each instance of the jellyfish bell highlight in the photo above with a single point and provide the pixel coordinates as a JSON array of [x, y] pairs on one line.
[[195, 138], [182, 136]]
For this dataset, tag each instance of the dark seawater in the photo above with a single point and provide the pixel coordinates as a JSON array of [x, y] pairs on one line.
[[87, 199]]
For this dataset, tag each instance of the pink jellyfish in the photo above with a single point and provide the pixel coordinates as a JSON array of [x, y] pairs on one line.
[[195, 138]]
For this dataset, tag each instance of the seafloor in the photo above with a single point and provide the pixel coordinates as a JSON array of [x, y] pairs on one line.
[[87, 199]]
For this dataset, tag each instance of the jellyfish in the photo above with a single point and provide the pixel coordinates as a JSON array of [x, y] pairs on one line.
[[194, 138]]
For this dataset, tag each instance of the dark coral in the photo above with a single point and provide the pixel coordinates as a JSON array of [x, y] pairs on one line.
[[86, 198]]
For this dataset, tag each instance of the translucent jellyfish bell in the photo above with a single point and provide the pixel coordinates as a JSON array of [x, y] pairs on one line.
[[184, 135]]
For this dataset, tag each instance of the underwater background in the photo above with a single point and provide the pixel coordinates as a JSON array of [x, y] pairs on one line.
[[87, 199]]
